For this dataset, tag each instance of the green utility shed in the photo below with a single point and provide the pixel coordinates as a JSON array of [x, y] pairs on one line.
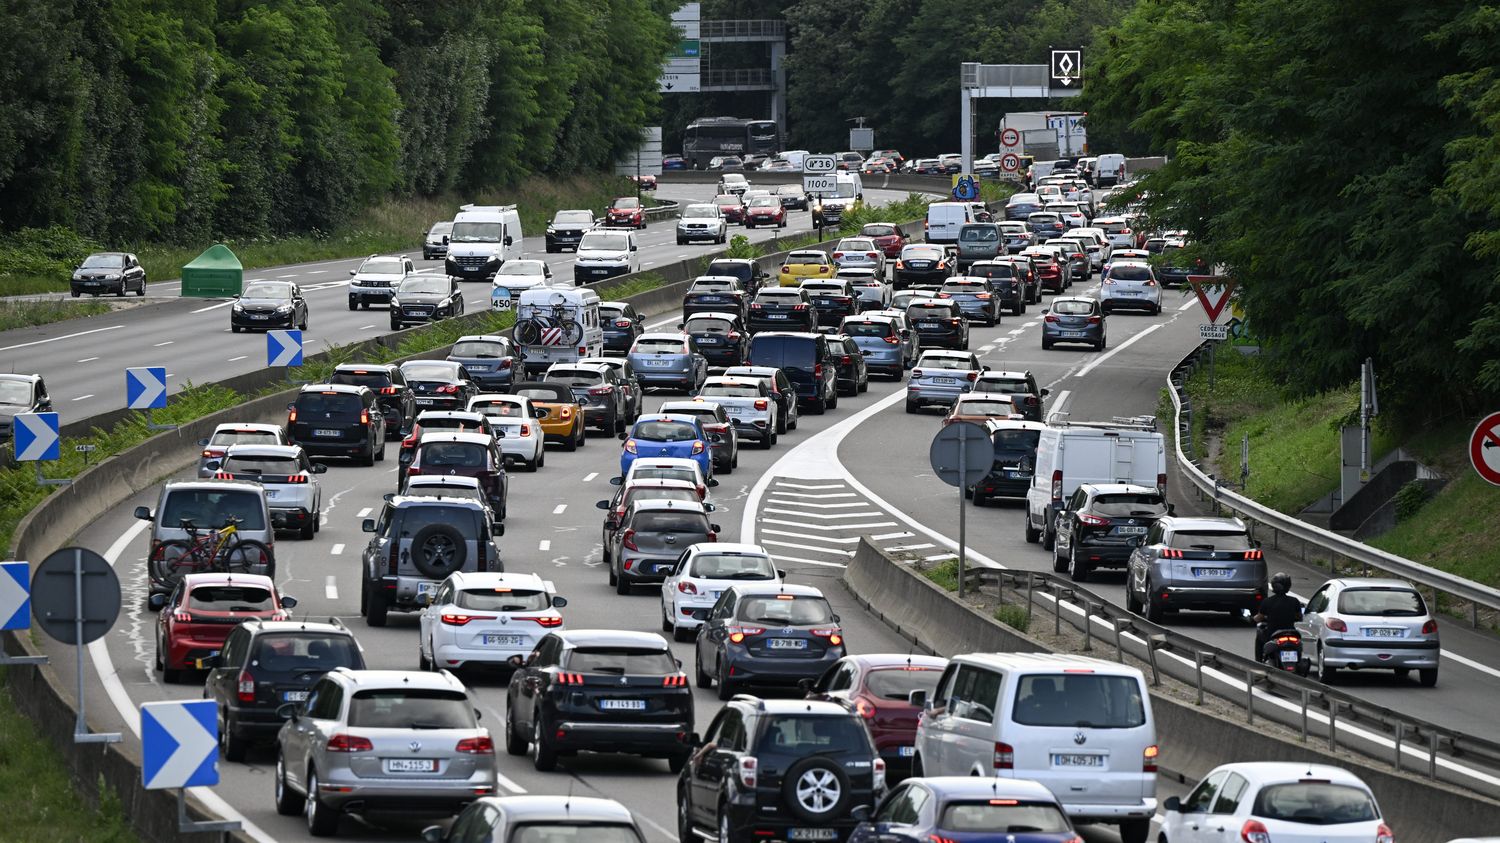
[[216, 273]]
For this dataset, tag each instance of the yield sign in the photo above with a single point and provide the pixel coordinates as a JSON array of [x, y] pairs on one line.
[[1213, 293], [179, 744], [1484, 448]]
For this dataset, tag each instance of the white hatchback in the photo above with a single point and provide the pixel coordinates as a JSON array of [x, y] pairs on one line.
[[1130, 285], [702, 573], [1278, 801], [486, 618], [516, 427]]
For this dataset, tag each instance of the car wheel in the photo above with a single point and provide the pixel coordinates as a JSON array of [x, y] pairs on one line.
[[306, 533], [1135, 831], [515, 742], [231, 741], [1154, 610], [864, 385], [423, 663], [1078, 570], [1103, 343], [541, 458], [1132, 605], [1059, 564], [543, 757], [725, 689], [704, 679], [395, 326], [375, 606], [621, 584], [912, 406], [288, 802], [321, 821], [666, 620], [767, 441], [571, 444], [1049, 538], [353, 305], [833, 399], [609, 566], [780, 423], [1046, 345], [1427, 676], [1326, 672], [792, 425], [141, 290]]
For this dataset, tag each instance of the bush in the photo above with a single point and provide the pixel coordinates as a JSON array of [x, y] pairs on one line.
[[740, 247], [944, 573], [1410, 499], [1014, 617], [54, 251]]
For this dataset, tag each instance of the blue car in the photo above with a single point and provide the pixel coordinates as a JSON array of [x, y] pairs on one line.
[[667, 435], [668, 360], [965, 809]]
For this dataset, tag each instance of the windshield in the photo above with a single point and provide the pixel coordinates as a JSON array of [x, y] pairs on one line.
[[604, 242], [789, 190], [1079, 699], [785, 609], [573, 218], [1004, 816], [267, 291], [620, 661], [897, 683], [523, 268], [1128, 504], [419, 371], [260, 465], [480, 350], [415, 284], [103, 262], [382, 266], [696, 211], [1314, 803], [799, 737], [625, 203], [553, 831], [665, 431], [1388, 602], [439, 229], [476, 232], [503, 599], [410, 708], [230, 598], [1209, 540], [12, 392]]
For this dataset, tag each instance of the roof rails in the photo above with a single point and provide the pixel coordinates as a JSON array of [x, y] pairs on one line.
[[749, 698], [1147, 423]]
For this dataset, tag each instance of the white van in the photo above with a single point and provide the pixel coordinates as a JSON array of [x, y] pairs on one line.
[[483, 237], [828, 209], [557, 326], [1083, 727], [946, 219], [1072, 453], [794, 157], [1109, 170]]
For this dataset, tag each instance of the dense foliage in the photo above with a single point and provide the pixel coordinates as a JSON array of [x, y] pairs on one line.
[[185, 119], [1342, 159]]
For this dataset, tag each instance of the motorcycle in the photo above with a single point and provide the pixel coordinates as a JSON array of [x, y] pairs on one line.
[[1284, 652]]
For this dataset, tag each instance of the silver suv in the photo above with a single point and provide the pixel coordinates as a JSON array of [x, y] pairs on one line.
[[381, 740], [1195, 563], [418, 543]]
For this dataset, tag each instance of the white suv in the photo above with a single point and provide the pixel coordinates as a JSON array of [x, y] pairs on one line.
[[701, 222], [485, 618], [605, 253]]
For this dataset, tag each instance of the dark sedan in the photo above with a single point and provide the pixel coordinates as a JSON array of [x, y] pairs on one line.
[[1074, 319], [782, 309], [439, 384], [622, 324], [268, 304], [922, 264], [853, 373], [109, 272], [425, 298], [722, 338]]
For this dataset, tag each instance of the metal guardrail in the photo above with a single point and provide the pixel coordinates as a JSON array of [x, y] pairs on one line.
[[1317, 711], [1475, 594], [669, 209]]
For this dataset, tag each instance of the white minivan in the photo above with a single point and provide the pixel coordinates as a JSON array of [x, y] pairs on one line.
[[1081, 726], [483, 238], [555, 325], [946, 219], [1069, 454]]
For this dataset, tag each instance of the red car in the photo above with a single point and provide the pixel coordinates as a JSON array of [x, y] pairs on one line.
[[197, 617], [732, 206], [645, 182], [879, 686], [888, 238], [765, 210], [626, 211]]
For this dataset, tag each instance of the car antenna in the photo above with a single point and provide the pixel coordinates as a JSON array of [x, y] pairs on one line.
[[568, 804]]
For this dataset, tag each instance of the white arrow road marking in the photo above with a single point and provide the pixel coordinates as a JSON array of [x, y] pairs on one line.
[[194, 744], [12, 596], [42, 436]]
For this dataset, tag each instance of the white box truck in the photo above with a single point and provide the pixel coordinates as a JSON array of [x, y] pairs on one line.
[[1069, 454]]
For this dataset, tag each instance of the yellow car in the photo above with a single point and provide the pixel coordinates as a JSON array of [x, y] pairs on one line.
[[560, 416], [802, 265]]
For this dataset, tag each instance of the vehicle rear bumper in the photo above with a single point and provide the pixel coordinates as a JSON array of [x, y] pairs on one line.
[[1194, 597], [1397, 653], [286, 518], [1085, 812], [655, 739]]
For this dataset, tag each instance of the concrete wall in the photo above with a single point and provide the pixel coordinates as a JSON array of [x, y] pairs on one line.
[[1193, 739]]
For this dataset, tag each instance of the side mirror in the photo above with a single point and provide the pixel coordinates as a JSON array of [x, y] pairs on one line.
[[1172, 804], [559, 602], [515, 661], [478, 715], [806, 685], [615, 481], [352, 272], [781, 573], [288, 601], [538, 412], [622, 437], [499, 529], [917, 698], [695, 739], [291, 406], [860, 813], [367, 525], [203, 442], [837, 619], [509, 240], [1046, 310], [601, 505], [445, 239], [1046, 392], [681, 325], [1137, 541], [713, 481], [212, 465], [288, 711], [157, 602], [1171, 509], [708, 507], [143, 513], [717, 529], [1256, 543]]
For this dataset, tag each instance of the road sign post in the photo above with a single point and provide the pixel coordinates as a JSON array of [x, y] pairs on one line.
[[1484, 448], [15, 607], [36, 438], [179, 750], [75, 598], [961, 455]]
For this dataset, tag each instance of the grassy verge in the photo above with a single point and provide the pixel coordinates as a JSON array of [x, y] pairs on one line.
[[27, 314], [944, 573], [42, 260], [36, 795]]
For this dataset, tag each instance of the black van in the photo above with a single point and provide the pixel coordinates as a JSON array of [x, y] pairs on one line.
[[337, 420], [808, 361]]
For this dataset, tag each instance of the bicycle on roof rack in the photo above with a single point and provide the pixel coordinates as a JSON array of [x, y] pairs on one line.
[[532, 331]]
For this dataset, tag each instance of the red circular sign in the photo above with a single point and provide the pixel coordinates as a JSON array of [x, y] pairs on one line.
[[1484, 448], [1010, 137], [1010, 162]]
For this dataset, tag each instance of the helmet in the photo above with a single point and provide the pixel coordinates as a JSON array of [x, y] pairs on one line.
[[1281, 582]]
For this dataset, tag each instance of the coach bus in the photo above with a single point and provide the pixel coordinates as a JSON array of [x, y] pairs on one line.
[[711, 137]]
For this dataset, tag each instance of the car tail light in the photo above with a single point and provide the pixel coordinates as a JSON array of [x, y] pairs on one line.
[[824, 269], [454, 619], [818, 370], [878, 768], [982, 296], [182, 617], [1094, 320], [945, 295], [1337, 625], [525, 430], [1254, 554], [1057, 485], [482, 745], [1005, 756], [872, 254], [411, 438], [364, 416], [628, 540], [245, 689], [223, 475], [297, 478], [834, 636], [570, 678], [734, 335], [786, 269], [413, 471], [622, 323], [1148, 283], [1172, 553], [892, 340], [544, 621], [343, 742], [916, 373], [676, 681], [388, 390], [799, 307], [686, 587], [1429, 628], [846, 360], [1057, 225], [745, 769], [601, 390], [212, 453], [1254, 831], [1161, 483], [738, 634], [1383, 834], [973, 376], [837, 255], [955, 321], [1149, 758], [698, 447], [761, 404], [291, 415], [1092, 520]]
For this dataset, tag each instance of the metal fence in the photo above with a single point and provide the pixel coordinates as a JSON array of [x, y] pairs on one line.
[[710, 30], [737, 77]]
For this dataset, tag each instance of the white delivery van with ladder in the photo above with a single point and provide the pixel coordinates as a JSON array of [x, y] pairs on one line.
[[1069, 454]]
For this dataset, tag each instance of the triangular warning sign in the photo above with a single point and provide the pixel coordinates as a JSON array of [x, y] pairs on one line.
[[1213, 293]]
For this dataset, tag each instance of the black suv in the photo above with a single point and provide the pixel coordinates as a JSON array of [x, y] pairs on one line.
[[1101, 525], [601, 690], [265, 665], [788, 770], [767, 634], [751, 276], [1006, 280], [397, 402], [939, 323], [782, 309], [808, 361], [1022, 388], [337, 420], [418, 543]]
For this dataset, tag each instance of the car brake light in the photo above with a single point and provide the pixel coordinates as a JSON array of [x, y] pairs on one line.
[[746, 771], [916, 373], [1337, 625], [246, 687], [454, 619], [1005, 756], [1161, 483], [622, 323], [544, 621], [945, 295], [686, 587], [182, 617], [525, 430], [298, 478], [364, 416], [698, 447], [1093, 320], [892, 340], [1149, 758], [1254, 831], [212, 453], [223, 475], [413, 471], [760, 404], [1254, 554], [1429, 628], [738, 634], [628, 540], [864, 708], [349, 743], [1383, 834], [291, 415], [570, 678], [600, 390], [388, 390], [973, 376], [1172, 553], [846, 360], [982, 296], [447, 389], [1092, 520], [1057, 478], [872, 254], [955, 321], [675, 681], [837, 255], [482, 745]]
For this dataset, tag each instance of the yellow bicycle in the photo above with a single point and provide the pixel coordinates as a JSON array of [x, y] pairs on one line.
[[220, 550]]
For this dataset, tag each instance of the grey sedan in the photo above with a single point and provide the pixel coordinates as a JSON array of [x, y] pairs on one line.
[[663, 359], [1074, 319]]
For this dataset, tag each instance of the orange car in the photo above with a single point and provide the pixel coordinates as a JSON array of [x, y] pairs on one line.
[[980, 407], [561, 418]]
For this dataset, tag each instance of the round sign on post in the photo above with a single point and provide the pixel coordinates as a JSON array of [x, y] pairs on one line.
[[72, 584], [1010, 162], [1010, 137], [1484, 448], [962, 444]]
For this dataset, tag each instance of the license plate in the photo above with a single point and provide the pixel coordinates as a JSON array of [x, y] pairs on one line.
[[787, 644], [776, 315], [709, 341], [321, 432], [294, 696], [258, 316], [1013, 474], [930, 324], [1077, 760], [1214, 573], [812, 834], [271, 494], [1382, 632], [424, 401], [658, 364], [426, 588], [1130, 531], [906, 751], [1074, 334], [622, 705], [710, 299], [734, 411], [920, 265], [474, 368], [599, 271], [411, 765], [504, 640], [945, 380], [1289, 655]]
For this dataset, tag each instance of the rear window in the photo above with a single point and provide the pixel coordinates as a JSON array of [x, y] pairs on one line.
[[665, 431], [727, 391], [410, 708], [1012, 386], [1209, 540], [491, 407], [897, 683], [802, 736], [1314, 803], [374, 380], [658, 493], [1073, 308], [429, 371], [1388, 602], [554, 394], [480, 350], [783, 352], [260, 465], [1042, 218], [878, 231], [575, 377], [1126, 505], [660, 346], [869, 329], [1004, 816], [706, 285], [1012, 442], [245, 437], [732, 566], [503, 599], [621, 661], [999, 270], [684, 474], [1112, 227], [671, 522], [979, 234], [740, 271], [985, 408], [1079, 699], [328, 405], [230, 598], [928, 310], [936, 362], [559, 832], [710, 326], [454, 454], [299, 652], [785, 609], [807, 257], [210, 508], [414, 518], [1130, 272]]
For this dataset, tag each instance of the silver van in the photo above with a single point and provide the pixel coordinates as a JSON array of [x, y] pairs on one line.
[[189, 507], [1081, 726], [978, 241]]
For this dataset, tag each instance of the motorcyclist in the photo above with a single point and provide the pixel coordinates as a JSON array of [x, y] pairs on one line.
[[1277, 612]]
